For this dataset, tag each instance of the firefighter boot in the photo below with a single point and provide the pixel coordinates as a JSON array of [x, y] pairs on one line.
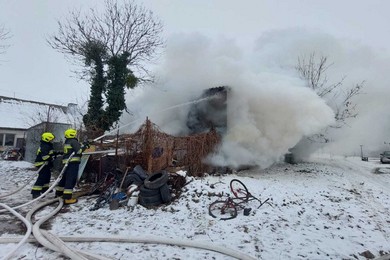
[[35, 193], [70, 201]]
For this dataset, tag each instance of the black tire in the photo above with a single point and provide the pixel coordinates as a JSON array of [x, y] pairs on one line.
[[150, 201], [143, 191], [156, 180], [239, 190], [222, 210], [165, 193], [132, 179], [140, 172]]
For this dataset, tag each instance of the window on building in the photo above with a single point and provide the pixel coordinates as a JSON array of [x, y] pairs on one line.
[[1, 139], [9, 140]]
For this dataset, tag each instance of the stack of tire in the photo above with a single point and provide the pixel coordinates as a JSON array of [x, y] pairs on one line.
[[155, 190]]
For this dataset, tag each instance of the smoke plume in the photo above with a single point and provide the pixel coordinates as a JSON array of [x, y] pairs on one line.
[[270, 109]]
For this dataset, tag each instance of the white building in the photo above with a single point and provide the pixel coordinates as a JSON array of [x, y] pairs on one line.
[[18, 116]]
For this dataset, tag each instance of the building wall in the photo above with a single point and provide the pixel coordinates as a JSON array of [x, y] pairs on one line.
[[11, 138], [18, 115], [33, 138]]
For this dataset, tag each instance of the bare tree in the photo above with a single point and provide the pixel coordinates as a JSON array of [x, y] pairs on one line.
[[44, 114], [337, 96], [4, 35], [114, 48], [127, 28]]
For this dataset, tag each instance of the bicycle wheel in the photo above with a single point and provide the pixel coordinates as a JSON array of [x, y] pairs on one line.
[[222, 210], [239, 190]]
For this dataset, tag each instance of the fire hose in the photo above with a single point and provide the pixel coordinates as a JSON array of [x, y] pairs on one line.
[[57, 244], [25, 237], [20, 188], [49, 189], [52, 242]]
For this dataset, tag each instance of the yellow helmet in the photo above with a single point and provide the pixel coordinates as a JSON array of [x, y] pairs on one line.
[[47, 137], [70, 133]]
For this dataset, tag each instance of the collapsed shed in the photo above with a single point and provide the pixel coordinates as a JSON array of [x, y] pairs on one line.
[[155, 150]]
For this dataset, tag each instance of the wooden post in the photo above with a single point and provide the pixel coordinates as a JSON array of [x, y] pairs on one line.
[[148, 146]]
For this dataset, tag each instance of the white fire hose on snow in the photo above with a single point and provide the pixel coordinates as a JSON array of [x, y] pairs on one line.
[[57, 244], [20, 188], [49, 189]]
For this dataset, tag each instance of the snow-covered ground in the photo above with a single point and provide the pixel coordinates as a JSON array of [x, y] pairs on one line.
[[328, 208]]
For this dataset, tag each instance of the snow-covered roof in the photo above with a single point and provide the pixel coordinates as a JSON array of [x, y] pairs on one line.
[[23, 114]]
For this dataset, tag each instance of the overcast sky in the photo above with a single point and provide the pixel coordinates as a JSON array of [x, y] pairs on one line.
[[31, 69]]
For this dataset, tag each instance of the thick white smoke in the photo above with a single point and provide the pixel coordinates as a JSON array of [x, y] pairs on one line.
[[267, 115], [269, 108], [355, 62]]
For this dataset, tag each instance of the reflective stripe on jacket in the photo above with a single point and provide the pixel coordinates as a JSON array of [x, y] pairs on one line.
[[44, 153], [72, 145]]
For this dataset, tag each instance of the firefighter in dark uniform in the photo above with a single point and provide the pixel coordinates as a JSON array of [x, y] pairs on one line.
[[69, 179], [44, 157]]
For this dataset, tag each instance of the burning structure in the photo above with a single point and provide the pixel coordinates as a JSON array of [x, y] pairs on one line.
[[155, 150], [210, 112]]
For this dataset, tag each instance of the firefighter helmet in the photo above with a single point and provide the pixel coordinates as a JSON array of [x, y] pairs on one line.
[[47, 137], [70, 133]]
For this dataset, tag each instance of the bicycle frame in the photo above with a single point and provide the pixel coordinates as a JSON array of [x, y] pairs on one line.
[[227, 209], [223, 209]]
